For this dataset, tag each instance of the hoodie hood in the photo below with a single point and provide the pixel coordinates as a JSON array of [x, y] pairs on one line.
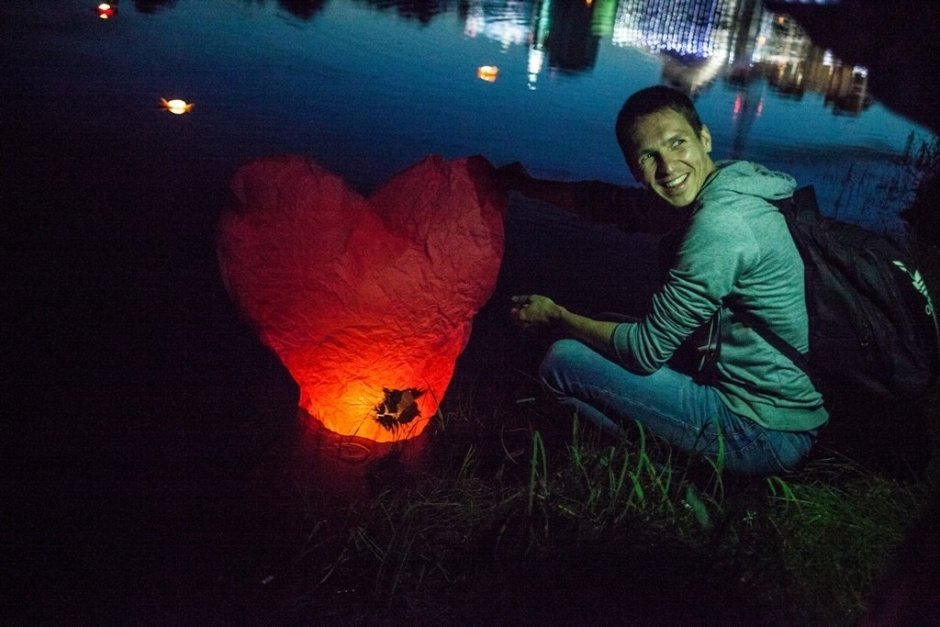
[[752, 179]]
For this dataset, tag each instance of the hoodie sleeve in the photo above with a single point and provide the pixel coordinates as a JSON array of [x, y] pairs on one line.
[[718, 247]]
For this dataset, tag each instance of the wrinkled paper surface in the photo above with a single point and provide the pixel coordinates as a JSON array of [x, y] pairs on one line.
[[367, 302]]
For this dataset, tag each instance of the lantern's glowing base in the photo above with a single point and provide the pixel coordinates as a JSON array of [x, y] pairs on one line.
[[351, 449], [361, 396], [383, 414]]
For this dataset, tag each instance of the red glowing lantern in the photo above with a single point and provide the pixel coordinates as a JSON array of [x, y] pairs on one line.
[[367, 302], [106, 10]]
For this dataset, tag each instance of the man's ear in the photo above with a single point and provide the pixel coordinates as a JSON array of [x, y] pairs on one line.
[[706, 137], [634, 169], [637, 174]]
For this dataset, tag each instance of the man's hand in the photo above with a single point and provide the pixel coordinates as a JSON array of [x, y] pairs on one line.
[[534, 310], [513, 177]]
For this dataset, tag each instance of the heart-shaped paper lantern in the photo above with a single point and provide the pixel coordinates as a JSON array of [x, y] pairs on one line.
[[367, 302]]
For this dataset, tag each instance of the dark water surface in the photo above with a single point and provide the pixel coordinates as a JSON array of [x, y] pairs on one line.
[[143, 412], [113, 199]]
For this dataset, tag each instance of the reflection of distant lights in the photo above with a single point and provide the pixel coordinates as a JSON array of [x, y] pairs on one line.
[[473, 26], [106, 11], [509, 31], [738, 106], [760, 107], [761, 40], [488, 73], [535, 61], [176, 106], [534, 65]]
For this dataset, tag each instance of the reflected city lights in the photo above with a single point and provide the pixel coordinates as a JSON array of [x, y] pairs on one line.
[[694, 39], [106, 11], [176, 106], [488, 73]]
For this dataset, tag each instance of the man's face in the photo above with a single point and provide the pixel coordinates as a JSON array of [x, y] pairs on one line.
[[667, 155]]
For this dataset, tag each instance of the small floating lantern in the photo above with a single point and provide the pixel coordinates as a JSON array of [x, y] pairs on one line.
[[176, 106], [488, 73], [106, 11]]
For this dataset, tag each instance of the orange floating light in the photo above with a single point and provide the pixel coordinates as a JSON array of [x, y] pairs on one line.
[[367, 302], [176, 106], [488, 73]]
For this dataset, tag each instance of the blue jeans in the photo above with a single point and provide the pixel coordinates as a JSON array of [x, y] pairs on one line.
[[669, 404]]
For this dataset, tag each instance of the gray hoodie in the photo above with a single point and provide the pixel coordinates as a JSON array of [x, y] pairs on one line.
[[737, 246]]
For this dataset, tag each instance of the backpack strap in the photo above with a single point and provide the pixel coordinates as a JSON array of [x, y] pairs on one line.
[[803, 198], [799, 359]]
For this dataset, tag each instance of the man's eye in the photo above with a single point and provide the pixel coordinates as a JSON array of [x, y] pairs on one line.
[[677, 142], [644, 158]]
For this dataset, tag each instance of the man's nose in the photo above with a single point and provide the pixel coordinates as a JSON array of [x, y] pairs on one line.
[[663, 164]]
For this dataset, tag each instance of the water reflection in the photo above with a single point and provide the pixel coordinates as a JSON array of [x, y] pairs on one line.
[[152, 6], [422, 10], [898, 43], [698, 42], [304, 9]]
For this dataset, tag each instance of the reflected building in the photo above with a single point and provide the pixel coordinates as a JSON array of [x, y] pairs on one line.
[[604, 17], [422, 10], [563, 34], [303, 9], [792, 65], [689, 29], [698, 43], [152, 6], [511, 24], [784, 55], [507, 24], [536, 58], [847, 90], [691, 37], [571, 42]]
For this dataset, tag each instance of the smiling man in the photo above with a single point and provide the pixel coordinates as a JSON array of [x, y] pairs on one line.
[[751, 402], [669, 153]]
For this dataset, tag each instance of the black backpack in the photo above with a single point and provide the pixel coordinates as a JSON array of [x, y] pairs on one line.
[[872, 324]]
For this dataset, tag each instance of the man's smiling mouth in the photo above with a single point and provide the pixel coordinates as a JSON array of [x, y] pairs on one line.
[[676, 182]]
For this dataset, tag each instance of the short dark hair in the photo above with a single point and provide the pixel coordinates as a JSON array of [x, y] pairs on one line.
[[651, 100]]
